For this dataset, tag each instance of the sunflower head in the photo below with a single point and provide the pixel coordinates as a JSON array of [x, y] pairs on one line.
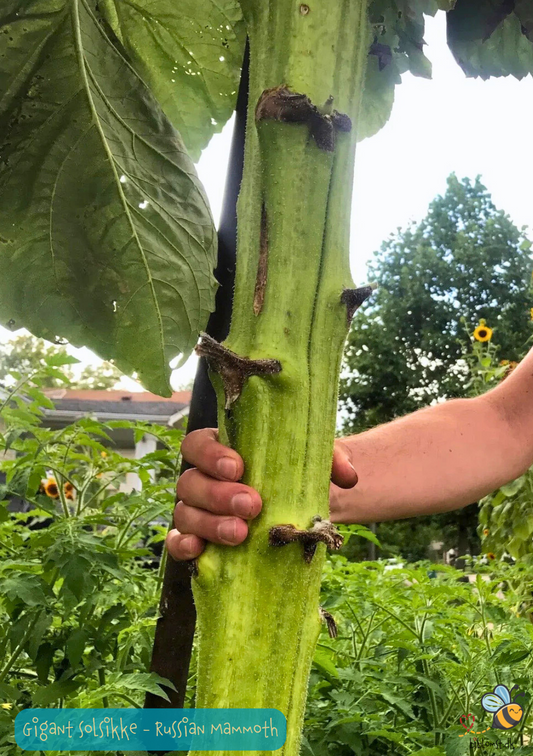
[[483, 332], [510, 367], [51, 489], [490, 555], [531, 313], [68, 488], [486, 531]]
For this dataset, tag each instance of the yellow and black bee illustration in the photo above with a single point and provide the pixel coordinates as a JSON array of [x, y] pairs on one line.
[[507, 713]]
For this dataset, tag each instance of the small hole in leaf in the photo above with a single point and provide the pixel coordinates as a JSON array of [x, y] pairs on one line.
[[304, 9]]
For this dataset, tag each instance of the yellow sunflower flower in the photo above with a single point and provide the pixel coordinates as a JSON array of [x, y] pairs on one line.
[[68, 488], [51, 489], [531, 313], [6, 706], [483, 332], [486, 531], [510, 367], [490, 555]]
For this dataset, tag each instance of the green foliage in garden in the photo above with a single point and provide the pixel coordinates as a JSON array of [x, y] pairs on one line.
[[466, 260], [416, 649], [106, 236], [26, 354], [505, 524], [506, 519], [79, 584]]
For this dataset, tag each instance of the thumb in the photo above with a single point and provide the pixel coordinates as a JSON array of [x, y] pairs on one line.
[[342, 470]]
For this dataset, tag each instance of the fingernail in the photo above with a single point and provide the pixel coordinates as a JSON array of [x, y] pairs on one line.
[[227, 467], [227, 531], [242, 504]]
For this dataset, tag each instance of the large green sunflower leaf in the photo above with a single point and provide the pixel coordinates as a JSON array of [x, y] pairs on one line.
[[106, 238], [397, 46], [189, 52], [491, 38]]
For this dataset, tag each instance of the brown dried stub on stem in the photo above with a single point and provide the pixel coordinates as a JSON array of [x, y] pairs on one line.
[[232, 368], [280, 104], [322, 531], [354, 298]]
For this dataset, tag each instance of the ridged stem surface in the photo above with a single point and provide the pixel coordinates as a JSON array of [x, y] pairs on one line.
[[257, 604]]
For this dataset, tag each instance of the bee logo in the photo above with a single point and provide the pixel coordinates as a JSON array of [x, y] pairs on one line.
[[507, 713]]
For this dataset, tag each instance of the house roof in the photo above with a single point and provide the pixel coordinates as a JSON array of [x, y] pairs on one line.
[[70, 404], [114, 395]]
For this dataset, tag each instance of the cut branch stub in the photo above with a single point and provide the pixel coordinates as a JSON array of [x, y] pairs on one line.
[[280, 104], [354, 298], [232, 368], [330, 622], [322, 531]]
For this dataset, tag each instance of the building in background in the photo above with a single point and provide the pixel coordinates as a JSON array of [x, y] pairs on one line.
[[104, 406], [73, 404]]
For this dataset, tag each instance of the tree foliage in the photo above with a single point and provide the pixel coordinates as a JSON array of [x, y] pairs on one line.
[[464, 261], [26, 354]]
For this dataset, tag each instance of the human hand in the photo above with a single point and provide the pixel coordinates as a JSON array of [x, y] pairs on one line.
[[213, 505]]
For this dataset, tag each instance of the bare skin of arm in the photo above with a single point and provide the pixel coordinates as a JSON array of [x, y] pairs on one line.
[[434, 460]]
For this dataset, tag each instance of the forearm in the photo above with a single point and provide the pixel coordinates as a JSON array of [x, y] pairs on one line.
[[435, 460]]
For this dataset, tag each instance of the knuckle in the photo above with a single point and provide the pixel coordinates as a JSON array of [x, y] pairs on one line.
[[220, 495], [180, 516], [186, 443], [184, 482]]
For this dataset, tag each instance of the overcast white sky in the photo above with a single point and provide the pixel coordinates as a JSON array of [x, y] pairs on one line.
[[447, 124]]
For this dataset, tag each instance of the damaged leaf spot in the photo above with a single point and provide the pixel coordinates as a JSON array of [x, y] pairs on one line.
[[354, 298], [330, 622], [262, 268], [382, 52], [280, 104], [322, 531], [232, 368]]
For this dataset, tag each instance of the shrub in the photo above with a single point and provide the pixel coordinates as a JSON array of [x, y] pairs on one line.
[[78, 585]]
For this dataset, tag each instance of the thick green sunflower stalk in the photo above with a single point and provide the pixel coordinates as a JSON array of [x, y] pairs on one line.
[[277, 373]]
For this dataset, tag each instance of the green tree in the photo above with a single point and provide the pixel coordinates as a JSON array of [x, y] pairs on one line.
[[466, 260], [25, 353]]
